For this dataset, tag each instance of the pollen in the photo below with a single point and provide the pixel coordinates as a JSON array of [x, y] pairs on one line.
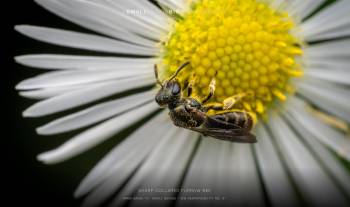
[[247, 46]]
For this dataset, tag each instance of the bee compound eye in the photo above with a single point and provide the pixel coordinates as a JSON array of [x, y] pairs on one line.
[[176, 89]]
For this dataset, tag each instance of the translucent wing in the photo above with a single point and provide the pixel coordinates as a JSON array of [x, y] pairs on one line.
[[232, 135]]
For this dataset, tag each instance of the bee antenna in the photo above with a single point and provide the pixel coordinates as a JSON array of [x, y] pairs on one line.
[[179, 70], [156, 74]]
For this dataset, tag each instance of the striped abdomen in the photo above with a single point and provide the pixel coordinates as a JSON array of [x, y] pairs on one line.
[[229, 120]]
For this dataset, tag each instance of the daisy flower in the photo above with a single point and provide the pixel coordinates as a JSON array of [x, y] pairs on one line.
[[285, 62]]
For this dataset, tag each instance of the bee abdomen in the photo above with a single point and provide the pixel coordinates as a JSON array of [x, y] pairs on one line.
[[229, 120], [241, 119]]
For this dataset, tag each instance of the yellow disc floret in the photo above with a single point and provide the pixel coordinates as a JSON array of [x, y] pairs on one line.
[[246, 45]]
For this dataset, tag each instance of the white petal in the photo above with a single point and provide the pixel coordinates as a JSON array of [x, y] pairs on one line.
[[327, 96], [83, 41], [95, 114], [120, 18], [331, 64], [274, 175], [304, 8], [163, 147], [312, 181], [48, 61], [182, 5], [221, 172], [338, 49], [169, 174], [77, 77], [94, 17], [342, 31], [142, 10], [96, 135], [331, 18], [248, 177], [50, 92], [169, 4], [227, 170], [179, 6], [126, 156], [202, 167], [324, 133], [86, 95], [336, 76], [330, 163], [278, 4]]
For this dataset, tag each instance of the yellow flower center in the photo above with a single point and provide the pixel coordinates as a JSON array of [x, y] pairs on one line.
[[246, 45]]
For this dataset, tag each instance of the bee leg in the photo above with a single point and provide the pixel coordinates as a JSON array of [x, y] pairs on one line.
[[189, 89], [231, 101], [190, 85], [211, 91]]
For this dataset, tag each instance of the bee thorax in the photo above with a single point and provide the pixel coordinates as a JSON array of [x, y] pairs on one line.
[[182, 118]]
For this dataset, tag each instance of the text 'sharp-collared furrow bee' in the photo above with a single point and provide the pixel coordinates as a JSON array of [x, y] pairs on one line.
[[190, 113]]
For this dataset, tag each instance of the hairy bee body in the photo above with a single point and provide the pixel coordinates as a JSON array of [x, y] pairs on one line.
[[187, 113], [190, 113]]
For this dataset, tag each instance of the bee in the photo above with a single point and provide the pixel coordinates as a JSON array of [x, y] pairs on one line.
[[191, 113]]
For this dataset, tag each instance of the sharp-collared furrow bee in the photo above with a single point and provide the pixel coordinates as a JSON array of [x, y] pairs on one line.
[[191, 113]]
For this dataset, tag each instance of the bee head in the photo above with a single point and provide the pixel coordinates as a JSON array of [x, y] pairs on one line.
[[169, 93]]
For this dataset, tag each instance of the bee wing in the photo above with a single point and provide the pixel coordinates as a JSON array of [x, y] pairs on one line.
[[233, 135]]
